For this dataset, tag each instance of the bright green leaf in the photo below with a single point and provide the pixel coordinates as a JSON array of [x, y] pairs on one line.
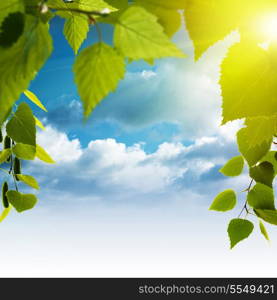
[[43, 155], [263, 230], [39, 124], [262, 129], [248, 83], [21, 127], [224, 201], [29, 180], [31, 96], [251, 154], [21, 202], [18, 67], [208, 22], [4, 155], [5, 213], [168, 17], [75, 30], [98, 70], [233, 167], [23, 151], [239, 230], [261, 197], [138, 35]]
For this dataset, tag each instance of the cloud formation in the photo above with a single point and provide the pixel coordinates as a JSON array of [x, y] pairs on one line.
[[107, 170]]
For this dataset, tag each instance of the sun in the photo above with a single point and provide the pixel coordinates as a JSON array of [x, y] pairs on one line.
[[268, 27]]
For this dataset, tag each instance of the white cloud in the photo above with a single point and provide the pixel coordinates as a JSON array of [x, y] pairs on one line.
[[107, 168], [58, 145], [147, 74]]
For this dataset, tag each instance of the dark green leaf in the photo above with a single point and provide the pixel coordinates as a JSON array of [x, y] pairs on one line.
[[261, 197], [263, 173], [22, 126]]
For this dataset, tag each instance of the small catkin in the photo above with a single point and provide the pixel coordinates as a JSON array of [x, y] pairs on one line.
[[17, 167], [5, 200], [7, 145], [7, 142]]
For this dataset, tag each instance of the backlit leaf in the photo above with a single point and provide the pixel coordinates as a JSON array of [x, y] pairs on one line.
[[29, 180], [138, 35], [98, 70]]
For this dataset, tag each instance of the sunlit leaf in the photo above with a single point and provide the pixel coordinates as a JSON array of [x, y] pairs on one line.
[[21, 202], [233, 167], [224, 201], [31, 96], [98, 70], [29, 180], [43, 155], [239, 230], [138, 35]]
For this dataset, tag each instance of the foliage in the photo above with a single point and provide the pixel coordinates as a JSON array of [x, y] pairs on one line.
[[143, 30]]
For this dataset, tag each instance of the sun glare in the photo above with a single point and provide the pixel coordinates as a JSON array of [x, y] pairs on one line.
[[269, 27]]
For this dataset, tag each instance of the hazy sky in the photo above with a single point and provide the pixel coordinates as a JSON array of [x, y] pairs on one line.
[[130, 192]]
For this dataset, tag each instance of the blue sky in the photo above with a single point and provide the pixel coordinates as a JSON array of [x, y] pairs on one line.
[[130, 192]]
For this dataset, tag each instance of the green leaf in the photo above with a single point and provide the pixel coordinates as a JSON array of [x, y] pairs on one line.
[[208, 22], [252, 154], [263, 230], [168, 16], [261, 197], [119, 4], [262, 129], [29, 180], [5, 213], [263, 173], [251, 92], [270, 216], [233, 167], [8, 7], [165, 4], [18, 67], [239, 230], [22, 126], [23, 151], [39, 124], [98, 70], [43, 155], [84, 5], [75, 30], [11, 29], [31, 96], [4, 155], [138, 35], [270, 157], [21, 202], [224, 201]]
